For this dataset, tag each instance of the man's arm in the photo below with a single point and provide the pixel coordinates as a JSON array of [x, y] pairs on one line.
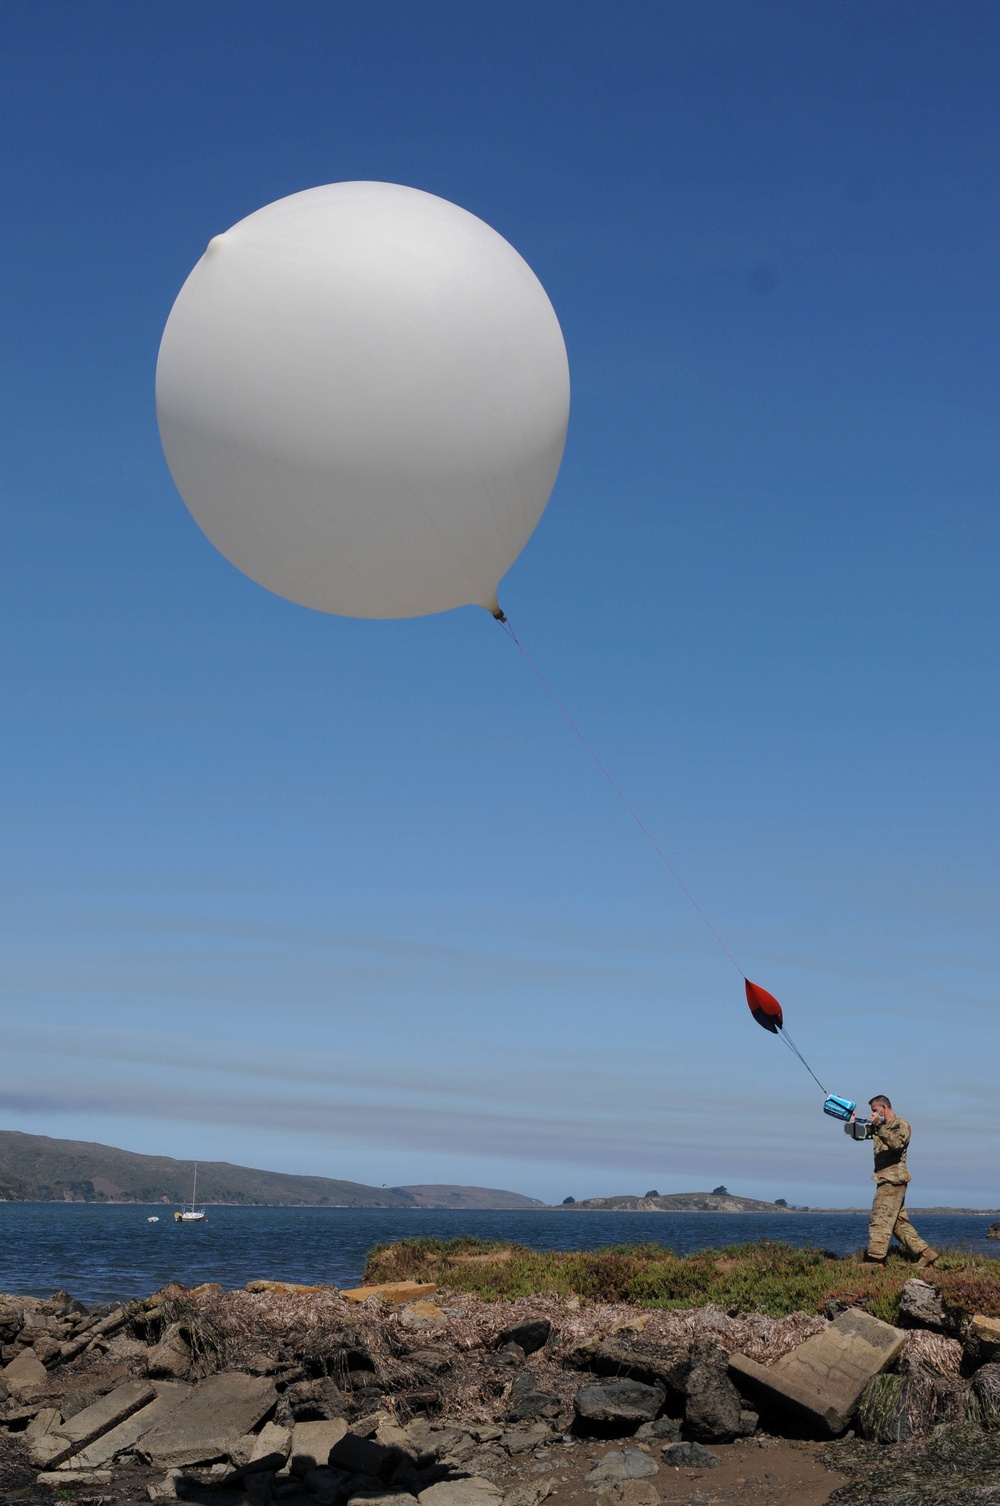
[[894, 1136]]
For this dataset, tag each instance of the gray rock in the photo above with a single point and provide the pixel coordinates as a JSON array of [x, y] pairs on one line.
[[689, 1456], [635, 1359], [210, 1421], [523, 1440], [535, 1404], [749, 1423], [712, 1408], [920, 1306], [531, 1335], [530, 1495], [171, 1357], [359, 1456], [623, 1464], [470, 1492], [24, 1371], [666, 1428], [619, 1404]]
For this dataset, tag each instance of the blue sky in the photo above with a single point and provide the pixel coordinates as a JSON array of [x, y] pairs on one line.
[[346, 897]]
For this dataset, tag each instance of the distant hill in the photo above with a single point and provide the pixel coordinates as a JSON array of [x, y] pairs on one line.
[[35, 1168], [469, 1197], [678, 1202]]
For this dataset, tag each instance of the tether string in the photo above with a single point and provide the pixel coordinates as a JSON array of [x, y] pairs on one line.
[[619, 792], [783, 1033], [793, 1048]]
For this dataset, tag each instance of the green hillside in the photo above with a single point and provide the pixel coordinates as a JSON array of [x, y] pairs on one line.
[[34, 1168]]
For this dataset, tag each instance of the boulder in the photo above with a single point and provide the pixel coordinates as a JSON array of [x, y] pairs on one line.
[[625, 1356], [993, 1232], [623, 1464], [689, 1456], [171, 1357], [359, 1456], [531, 1335], [24, 1371], [270, 1450], [627, 1493], [823, 1378], [315, 1400], [667, 1429], [921, 1306], [534, 1404], [210, 1420], [618, 1406], [712, 1409], [313, 1442]]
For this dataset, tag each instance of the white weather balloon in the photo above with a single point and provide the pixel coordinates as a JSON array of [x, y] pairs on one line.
[[363, 393]]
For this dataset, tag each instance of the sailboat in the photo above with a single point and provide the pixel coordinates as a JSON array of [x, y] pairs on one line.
[[192, 1214]]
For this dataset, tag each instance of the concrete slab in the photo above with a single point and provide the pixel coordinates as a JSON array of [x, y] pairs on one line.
[[393, 1292], [169, 1395], [312, 1442], [104, 1414], [823, 1378], [210, 1420]]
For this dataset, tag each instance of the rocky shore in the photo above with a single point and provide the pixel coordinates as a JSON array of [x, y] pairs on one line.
[[412, 1395]]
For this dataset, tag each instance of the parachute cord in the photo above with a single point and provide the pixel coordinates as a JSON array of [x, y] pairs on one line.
[[795, 1050], [621, 795]]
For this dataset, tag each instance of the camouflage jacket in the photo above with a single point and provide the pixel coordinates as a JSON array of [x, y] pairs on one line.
[[889, 1142]]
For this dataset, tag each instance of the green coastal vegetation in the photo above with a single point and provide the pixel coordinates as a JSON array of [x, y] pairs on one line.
[[765, 1275]]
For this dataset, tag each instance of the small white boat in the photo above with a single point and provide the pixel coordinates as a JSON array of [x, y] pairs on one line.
[[192, 1214], [153, 1220]]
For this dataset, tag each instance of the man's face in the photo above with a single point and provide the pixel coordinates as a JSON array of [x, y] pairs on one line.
[[880, 1114]]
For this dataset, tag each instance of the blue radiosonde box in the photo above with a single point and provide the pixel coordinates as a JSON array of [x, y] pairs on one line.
[[839, 1108]]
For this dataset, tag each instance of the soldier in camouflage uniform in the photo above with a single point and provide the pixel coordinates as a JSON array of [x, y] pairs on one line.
[[890, 1136]]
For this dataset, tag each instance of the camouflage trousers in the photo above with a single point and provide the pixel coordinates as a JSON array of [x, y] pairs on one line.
[[889, 1217]]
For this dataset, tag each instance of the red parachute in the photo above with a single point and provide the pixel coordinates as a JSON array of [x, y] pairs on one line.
[[767, 1012], [764, 1007]]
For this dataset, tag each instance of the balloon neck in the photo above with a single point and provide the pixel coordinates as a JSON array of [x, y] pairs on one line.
[[493, 607]]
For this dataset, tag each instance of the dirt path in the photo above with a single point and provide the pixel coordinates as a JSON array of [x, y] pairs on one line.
[[764, 1472]]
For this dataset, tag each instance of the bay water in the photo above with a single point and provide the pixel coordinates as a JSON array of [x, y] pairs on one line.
[[102, 1252]]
